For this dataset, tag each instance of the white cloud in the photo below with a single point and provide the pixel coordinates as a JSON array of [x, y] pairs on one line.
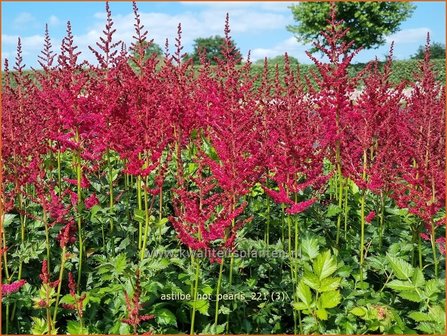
[[411, 35], [275, 6], [54, 20], [291, 46], [23, 19]]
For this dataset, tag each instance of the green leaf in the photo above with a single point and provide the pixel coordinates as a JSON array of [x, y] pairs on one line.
[[400, 285], [74, 328], [324, 265], [39, 326], [322, 314], [304, 294], [329, 284], [432, 287], [165, 317], [8, 218], [299, 306], [311, 280], [418, 278], [120, 263], [310, 247], [419, 317], [359, 311], [401, 268], [333, 210], [410, 295], [139, 215], [202, 306], [329, 299]]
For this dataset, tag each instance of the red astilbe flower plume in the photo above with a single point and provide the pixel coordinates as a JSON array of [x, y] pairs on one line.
[[227, 113], [294, 155], [133, 306], [421, 187], [78, 299], [331, 98], [45, 276], [12, 287], [205, 216], [369, 139]]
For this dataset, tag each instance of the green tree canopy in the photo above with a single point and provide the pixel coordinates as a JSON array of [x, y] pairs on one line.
[[212, 46], [150, 49], [368, 22], [437, 50]]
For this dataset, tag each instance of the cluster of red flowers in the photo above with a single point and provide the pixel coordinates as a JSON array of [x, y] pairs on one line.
[[151, 112]]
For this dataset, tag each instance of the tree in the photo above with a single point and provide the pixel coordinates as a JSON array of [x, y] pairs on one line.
[[150, 49], [437, 50], [368, 22], [212, 46]]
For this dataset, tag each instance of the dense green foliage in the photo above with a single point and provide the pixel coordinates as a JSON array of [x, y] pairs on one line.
[[437, 51], [402, 70], [212, 49], [368, 22]]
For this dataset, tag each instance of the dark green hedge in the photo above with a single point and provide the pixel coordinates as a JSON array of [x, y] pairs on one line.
[[402, 70]]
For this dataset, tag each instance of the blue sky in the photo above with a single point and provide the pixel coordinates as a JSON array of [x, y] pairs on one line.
[[256, 26]]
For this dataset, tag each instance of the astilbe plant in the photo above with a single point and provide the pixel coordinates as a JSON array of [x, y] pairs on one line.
[[368, 142], [421, 183], [133, 306], [331, 91]]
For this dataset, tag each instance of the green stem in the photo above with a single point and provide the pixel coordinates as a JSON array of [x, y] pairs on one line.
[[59, 177], [362, 223], [196, 285], [109, 164], [267, 234], [230, 282], [61, 273], [140, 207], [78, 212], [219, 282], [5, 259], [420, 251], [7, 318], [160, 212], [345, 209], [340, 188], [146, 224], [433, 247], [382, 219]]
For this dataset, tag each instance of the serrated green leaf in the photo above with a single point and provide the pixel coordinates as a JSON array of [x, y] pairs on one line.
[[329, 284], [400, 285], [165, 317], [419, 317], [432, 287], [418, 278], [120, 263], [322, 314], [311, 280], [304, 294], [202, 306], [324, 265], [329, 299], [310, 247], [401, 268], [410, 295]]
